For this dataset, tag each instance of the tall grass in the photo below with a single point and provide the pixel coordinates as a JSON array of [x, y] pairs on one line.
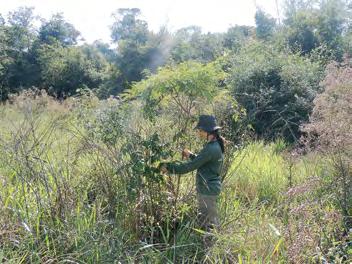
[[258, 173], [69, 194]]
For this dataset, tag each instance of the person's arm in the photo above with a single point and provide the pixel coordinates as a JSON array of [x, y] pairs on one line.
[[183, 167]]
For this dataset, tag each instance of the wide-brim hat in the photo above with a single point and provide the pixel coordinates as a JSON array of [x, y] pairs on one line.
[[207, 123]]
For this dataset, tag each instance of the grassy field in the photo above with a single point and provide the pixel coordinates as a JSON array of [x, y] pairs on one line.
[[78, 187]]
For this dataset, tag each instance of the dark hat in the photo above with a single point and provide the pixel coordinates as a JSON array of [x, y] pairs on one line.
[[207, 123]]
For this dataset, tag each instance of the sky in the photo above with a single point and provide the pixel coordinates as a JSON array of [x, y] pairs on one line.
[[93, 17]]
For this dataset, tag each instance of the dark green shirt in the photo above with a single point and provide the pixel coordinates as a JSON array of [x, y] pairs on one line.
[[208, 164]]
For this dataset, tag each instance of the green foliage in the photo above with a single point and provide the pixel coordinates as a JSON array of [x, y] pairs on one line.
[[106, 50], [300, 34], [21, 30], [187, 90], [127, 26], [183, 84], [79, 177], [18, 35], [259, 172], [320, 30], [45, 57], [64, 70], [309, 24], [58, 30], [190, 44], [138, 49], [6, 60], [276, 89], [108, 123], [265, 25], [145, 154], [132, 60], [80, 184], [236, 36], [21, 17]]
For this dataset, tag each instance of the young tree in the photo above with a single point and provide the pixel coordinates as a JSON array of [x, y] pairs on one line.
[[181, 85]]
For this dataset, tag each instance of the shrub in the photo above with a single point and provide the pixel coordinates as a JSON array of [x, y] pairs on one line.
[[276, 89]]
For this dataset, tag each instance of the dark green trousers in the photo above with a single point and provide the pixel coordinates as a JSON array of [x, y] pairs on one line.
[[208, 213]]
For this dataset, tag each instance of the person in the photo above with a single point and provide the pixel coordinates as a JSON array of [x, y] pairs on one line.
[[208, 164]]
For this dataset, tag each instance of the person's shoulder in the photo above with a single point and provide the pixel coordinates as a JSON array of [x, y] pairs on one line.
[[213, 146]]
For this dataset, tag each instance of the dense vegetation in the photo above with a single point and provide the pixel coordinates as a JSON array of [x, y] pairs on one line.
[[83, 128]]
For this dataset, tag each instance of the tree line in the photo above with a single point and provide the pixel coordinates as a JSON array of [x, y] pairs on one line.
[[273, 70]]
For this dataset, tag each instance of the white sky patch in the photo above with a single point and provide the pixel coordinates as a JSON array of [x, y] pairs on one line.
[[93, 17]]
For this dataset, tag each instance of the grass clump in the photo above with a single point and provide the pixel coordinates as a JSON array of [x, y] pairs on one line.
[[258, 173]]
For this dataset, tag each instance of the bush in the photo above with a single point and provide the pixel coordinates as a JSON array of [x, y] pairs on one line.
[[276, 89]]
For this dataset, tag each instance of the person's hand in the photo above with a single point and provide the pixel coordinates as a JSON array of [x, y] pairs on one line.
[[186, 153], [163, 167]]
